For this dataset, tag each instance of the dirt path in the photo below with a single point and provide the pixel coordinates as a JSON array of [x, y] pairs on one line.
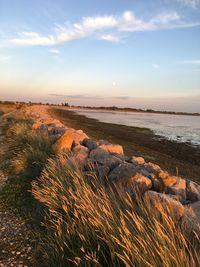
[[15, 234]]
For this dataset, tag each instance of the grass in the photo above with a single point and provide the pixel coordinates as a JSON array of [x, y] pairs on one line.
[[24, 160], [90, 225], [7, 107]]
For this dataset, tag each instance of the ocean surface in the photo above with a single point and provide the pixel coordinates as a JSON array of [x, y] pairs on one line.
[[181, 128]]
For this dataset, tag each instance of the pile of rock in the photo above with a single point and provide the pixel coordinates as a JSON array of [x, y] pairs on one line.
[[109, 163]]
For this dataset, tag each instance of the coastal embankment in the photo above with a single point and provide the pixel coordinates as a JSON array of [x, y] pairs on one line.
[[177, 158], [99, 202]]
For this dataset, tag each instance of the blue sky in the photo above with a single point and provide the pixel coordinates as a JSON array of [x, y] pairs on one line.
[[102, 52]]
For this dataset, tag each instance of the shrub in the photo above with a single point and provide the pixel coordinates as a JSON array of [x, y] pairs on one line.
[[90, 225]]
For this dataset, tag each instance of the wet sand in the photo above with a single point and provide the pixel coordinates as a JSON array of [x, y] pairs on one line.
[[177, 158]]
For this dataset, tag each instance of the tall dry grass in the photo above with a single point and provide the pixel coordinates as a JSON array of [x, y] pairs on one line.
[[23, 161], [91, 225]]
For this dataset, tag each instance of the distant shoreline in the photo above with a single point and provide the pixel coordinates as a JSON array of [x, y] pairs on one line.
[[134, 110]]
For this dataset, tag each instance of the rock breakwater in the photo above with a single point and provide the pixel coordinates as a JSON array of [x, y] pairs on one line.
[[159, 190]]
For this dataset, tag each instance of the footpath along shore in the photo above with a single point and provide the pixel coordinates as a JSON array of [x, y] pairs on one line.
[[125, 172]]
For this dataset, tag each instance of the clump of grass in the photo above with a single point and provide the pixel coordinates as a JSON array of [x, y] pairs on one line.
[[24, 160], [94, 226]]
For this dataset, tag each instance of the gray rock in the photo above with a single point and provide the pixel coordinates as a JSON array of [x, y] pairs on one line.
[[57, 130], [123, 170], [80, 155], [192, 191], [103, 142], [104, 158], [151, 167], [89, 143]]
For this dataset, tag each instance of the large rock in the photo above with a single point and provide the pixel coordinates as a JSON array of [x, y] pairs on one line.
[[192, 191], [157, 203], [140, 182], [89, 143], [64, 142], [138, 160], [173, 185], [57, 130], [112, 148], [151, 167], [123, 171], [102, 157], [79, 136], [80, 155]]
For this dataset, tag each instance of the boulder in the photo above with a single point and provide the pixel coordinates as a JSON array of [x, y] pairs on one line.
[[140, 182], [104, 158], [112, 148], [157, 203], [89, 143], [57, 130], [79, 136], [151, 167], [173, 185], [192, 191], [123, 171], [64, 142], [138, 160], [80, 155]]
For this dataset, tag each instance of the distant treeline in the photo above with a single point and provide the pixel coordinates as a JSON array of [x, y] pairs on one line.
[[113, 108]]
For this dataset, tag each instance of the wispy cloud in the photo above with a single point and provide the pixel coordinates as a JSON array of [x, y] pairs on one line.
[[110, 38], [190, 3], [77, 96], [88, 96], [5, 58], [54, 51], [126, 22]]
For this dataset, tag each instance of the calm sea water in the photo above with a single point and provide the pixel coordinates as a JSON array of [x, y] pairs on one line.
[[174, 127]]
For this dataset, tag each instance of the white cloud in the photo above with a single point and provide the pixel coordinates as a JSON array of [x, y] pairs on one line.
[[126, 22], [54, 51], [190, 3], [5, 58], [110, 38], [156, 66]]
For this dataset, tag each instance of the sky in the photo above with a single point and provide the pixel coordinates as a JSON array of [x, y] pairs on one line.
[[127, 53]]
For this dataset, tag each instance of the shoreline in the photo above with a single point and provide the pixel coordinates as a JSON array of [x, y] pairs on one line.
[[177, 158], [195, 114]]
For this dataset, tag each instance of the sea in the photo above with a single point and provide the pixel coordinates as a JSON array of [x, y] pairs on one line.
[[180, 128]]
